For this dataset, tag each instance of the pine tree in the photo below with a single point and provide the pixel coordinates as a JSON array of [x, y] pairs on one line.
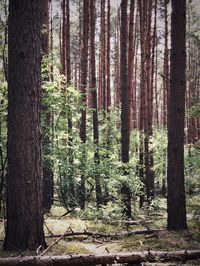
[[24, 228], [176, 206]]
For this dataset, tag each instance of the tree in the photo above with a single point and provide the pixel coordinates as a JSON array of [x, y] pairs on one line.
[[48, 185], [24, 228], [125, 112], [83, 84], [117, 63], [69, 112], [63, 38], [102, 61], [108, 92], [176, 206], [165, 66], [93, 88]]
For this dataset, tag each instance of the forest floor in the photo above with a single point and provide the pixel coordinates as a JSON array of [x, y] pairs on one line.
[[83, 244]]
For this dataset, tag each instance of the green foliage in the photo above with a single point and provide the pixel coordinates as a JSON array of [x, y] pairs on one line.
[[192, 169], [194, 111], [153, 208], [193, 204], [158, 144], [3, 120], [110, 211]]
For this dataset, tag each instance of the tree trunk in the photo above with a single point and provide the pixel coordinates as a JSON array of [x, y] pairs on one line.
[[134, 258], [131, 53], [175, 172], [165, 68], [24, 228], [125, 110], [51, 41], [63, 38], [102, 61], [117, 64], [83, 84], [48, 185], [69, 113], [94, 102], [108, 92]]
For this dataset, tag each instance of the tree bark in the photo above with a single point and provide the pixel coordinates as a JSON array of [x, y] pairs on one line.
[[94, 101], [63, 38], [48, 184], [111, 258], [165, 67], [83, 84], [108, 92], [102, 61], [24, 228], [125, 109], [176, 206]]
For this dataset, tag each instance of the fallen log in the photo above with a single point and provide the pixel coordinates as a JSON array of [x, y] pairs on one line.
[[127, 222], [105, 235], [110, 258]]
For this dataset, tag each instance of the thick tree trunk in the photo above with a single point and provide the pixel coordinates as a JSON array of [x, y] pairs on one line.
[[176, 206], [24, 228], [104, 259]]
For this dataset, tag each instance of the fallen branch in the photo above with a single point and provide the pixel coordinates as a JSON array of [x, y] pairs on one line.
[[108, 258], [100, 235], [53, 244], [129, 222]]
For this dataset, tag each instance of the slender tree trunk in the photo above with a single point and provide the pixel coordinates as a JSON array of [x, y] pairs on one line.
[[94, 101], [176, 206], [147, 68], [142, 100], [108, 92], [117, 64], [83, 69], [24, 228], [131, 52], [51, 41], [48, 185], [102, 61], [165, 67], [69, 114], [63, 38], [125, 110]]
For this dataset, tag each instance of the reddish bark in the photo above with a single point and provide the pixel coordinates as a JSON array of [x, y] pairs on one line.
[[125, 109]]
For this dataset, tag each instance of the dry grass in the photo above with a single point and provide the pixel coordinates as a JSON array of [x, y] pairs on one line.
[[164, 240]]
